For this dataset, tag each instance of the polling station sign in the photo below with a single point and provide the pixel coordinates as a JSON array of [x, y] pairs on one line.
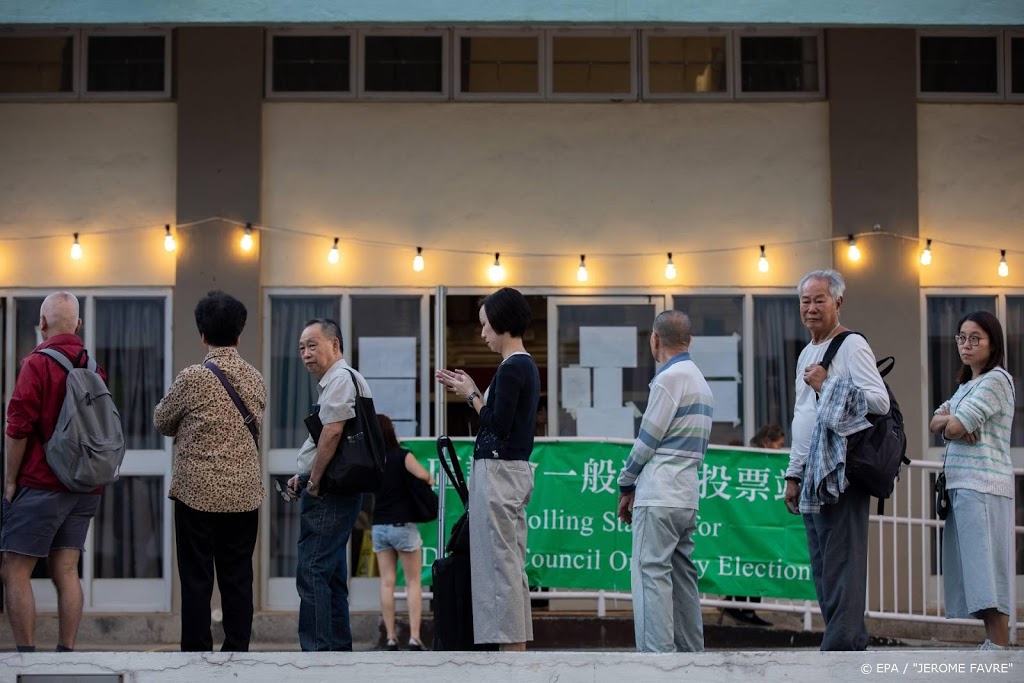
[[746, 543]]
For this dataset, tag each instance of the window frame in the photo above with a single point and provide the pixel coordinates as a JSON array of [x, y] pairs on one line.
[[143, 595], [549, 64], [1001, 85], [404, 95], [737, 63], [935, 453], [1008, 37], [124, 95], [76, 84], [456, 65], [730, 81], [302, 32]]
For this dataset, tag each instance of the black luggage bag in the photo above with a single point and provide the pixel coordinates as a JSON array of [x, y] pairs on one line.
[[453, 601]]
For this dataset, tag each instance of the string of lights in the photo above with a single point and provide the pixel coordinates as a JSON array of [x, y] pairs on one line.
[[496, 271]]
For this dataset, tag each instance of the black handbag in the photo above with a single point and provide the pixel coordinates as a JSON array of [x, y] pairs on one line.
[[358, 462], [422, 499]]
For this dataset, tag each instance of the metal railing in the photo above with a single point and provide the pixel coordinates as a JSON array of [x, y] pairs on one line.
[[904, 561]]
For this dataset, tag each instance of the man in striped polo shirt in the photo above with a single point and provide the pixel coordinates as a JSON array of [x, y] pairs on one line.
[[659, 494]]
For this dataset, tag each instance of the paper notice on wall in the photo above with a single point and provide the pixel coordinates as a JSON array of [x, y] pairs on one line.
[[607, 387], [717, 356], [387, 356], [614, 423], [727, 402], [608, 347], [575, 388], [405, 429], [395, 398]]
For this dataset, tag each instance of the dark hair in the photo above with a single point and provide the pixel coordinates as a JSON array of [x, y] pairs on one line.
[[220, 318], [388, 428], [767, 433], [507, 311], [673, 328], [997, 351], [330, 329]]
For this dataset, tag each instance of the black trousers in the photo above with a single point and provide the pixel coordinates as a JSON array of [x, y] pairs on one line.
[[224, 540]]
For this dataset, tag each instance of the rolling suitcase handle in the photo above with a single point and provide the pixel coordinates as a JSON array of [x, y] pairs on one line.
[[452, 468]]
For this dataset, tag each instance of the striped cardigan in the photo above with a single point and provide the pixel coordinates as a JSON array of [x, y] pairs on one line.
[[666, 458], [984, 405]]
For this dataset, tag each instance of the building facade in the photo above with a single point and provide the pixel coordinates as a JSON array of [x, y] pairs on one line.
[[621, 137]]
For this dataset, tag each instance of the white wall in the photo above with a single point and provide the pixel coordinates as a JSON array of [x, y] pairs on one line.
[[544, 178], [971, 182], [86, 167]]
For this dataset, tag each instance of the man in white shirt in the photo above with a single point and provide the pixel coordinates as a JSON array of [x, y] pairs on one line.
[[837, 534], [326, 518]]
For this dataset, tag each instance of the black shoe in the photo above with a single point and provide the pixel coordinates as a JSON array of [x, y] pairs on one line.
[[391, 645], [415, 645], [747, 616]]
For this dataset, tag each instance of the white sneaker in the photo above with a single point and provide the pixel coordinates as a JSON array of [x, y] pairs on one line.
[[989, 645]]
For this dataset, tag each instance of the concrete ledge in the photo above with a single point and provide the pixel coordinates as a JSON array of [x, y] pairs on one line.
[[564, 667]]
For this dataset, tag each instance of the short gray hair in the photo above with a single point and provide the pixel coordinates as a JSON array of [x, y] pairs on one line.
[[673, 327], [836, 283], [330, 329]]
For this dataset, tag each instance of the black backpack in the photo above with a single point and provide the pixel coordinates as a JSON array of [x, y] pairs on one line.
[[875, 454]]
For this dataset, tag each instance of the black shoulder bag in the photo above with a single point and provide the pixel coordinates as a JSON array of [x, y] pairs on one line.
[[358, 462]]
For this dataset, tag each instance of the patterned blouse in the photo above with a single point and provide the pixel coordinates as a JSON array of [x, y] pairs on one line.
[[216, 462]]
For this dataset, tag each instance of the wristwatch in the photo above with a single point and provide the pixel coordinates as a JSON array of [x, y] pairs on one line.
[[469, 399]]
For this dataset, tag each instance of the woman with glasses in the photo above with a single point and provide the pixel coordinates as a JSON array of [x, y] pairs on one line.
[[396, 538], [975, 424]]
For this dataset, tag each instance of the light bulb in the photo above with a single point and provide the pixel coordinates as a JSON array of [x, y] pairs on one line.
[[1004, 270], [762, 263], [247, 238], [581, 272], [497, 271], [670, 268], [169, 243], [417, 262], [854, 252], [333, 255], [76, 249], [926, 255]]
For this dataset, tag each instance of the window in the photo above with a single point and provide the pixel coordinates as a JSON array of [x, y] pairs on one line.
[[1016, 44], [128, 530], [594, 65], [499, 65], [311, 63], [959, 64], [943, 360], [780, 64], [1014, 328], [680, 65], [781, 337], [294, 389], [404, 64], [716, 347], [127, 63], [37, 64]]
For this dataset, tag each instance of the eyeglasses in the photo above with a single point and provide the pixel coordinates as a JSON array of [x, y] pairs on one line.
[[973, 340]]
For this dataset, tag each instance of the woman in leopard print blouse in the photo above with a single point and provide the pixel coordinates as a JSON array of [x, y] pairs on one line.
[[216, 486]]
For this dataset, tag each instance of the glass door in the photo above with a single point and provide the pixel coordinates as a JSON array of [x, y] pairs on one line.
[[599, 364]]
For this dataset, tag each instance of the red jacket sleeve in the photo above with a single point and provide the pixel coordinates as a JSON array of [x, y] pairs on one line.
[[26, 402]]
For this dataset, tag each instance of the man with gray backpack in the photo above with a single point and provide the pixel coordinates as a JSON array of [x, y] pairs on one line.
[[64, 443]]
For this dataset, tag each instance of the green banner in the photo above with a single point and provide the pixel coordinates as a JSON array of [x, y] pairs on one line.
[[747, 544]]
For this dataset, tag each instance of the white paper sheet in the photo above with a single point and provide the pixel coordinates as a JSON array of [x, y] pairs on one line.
[[727, 402], [607, 387], [395, 398], [387, 356], [610, 422], [575, 388], [405, 429], [608, 347], [717, 356]]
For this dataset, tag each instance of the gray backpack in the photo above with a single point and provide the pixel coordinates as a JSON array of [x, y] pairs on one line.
[[87, 446]]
